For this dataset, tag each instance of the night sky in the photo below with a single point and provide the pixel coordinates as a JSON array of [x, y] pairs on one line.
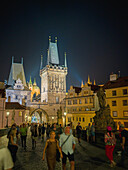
[[94, 34]]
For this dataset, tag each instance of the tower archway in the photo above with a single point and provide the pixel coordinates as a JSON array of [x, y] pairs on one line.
[[39, 116]]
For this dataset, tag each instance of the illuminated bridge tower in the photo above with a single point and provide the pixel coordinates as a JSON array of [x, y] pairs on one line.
[[53, 76]]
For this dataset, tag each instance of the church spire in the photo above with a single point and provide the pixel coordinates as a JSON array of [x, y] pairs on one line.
[[94, 82], [65, 60], [34, 82], [89, 80], [82, 84], [30, 81], [41, 63]]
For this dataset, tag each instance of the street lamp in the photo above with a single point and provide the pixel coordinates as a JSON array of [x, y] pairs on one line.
[[65, 118], [52, 119], [7, 114]]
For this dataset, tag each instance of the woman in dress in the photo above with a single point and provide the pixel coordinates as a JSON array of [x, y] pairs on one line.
[[12, 144], [110, 142], [50, 149]]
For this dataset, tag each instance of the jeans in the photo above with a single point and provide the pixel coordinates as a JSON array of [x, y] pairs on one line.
[[23, 141]]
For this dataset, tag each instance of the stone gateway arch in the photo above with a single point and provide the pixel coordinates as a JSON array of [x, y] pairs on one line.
[[39, 115]]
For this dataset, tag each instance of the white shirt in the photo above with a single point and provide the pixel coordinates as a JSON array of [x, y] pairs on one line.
[[67, 147], [5, 159]]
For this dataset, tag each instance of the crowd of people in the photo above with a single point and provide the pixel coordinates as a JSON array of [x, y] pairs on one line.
[[60, 143]]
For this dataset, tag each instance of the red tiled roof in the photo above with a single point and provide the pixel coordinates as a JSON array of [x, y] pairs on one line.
[[14, 105], [120, 82]]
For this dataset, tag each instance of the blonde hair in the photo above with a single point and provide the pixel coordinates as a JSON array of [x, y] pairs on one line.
[[52, 132]]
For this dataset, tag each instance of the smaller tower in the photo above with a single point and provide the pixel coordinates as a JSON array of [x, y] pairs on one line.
[[65, 60], [41, 63], [94, 82], [22, 60], [89, 80]]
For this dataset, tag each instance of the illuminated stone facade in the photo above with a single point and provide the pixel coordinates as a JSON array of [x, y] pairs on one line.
[[117, 98], [81, 104]]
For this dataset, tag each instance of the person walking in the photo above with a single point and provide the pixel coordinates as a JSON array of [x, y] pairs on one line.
[[93, 132], [23, 133], [88, 132], [110, 142], [34, 134], [39, 130], [12, 143], [124, 144], [48, 130], [78, 131], [50, 148], [43, 131], [67, 145]]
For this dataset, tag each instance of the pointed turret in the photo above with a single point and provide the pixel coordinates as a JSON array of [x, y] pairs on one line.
[[82, 84], [48, 58], [22, 60], [34, 82], [89, 80], [65, 64], [94, 82], [41, 63], [30, 81], [12, 59]]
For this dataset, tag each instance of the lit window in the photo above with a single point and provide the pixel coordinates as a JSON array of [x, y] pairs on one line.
[[114, 113], [114, 93], [74, 101], [57, 100], [113, 103], [69, 102], [125, 113], [80, 101], [91, 100]]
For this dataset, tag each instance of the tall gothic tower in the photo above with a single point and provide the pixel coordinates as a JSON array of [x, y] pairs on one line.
[[53, 76]]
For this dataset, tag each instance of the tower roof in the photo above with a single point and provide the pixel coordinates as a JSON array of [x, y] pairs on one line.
[[53, 57], [17, 71]]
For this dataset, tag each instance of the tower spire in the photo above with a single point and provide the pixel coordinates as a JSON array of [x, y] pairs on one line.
[[30, 81], [22, 60], [12, 59], [65, 60], [82, 84], [89, 80], [41, 63], [94, 82], [48, 58], [34, 82]]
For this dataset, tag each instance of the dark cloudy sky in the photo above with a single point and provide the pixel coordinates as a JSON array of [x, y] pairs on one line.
[[93, 33]]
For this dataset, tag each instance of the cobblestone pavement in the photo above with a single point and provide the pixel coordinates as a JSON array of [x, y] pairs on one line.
[[87, 157]]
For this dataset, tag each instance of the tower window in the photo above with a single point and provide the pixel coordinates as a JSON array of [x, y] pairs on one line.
[[57, 100]]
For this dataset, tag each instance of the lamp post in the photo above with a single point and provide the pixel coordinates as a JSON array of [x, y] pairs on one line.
[[65, 118], [7, 114]]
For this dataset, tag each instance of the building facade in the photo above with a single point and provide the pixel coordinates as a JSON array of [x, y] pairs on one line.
[[81, 104], [18, 93], [117, 98]]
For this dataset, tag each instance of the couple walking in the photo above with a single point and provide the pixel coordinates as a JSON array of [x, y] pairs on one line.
[[66, 146]]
